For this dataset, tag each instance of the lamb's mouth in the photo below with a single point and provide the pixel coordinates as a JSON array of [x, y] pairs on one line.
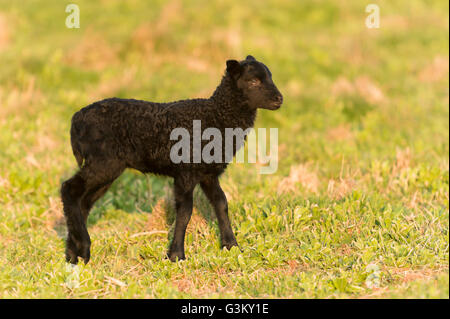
[[275, 105], [276, 102]]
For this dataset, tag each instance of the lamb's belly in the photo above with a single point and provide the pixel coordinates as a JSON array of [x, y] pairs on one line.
[[175, 169]]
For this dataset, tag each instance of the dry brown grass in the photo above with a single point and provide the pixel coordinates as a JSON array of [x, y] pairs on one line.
[[436, 70], [403, 160], [340, 133], [108, 88], [232, 39], [402, 163], [396, 22], [302, 175], [199, 285], [4, 182], [31, 160], [44, 142], [294, 88], [14, 100], [195, 285], [157, 220], [292, 266], [53, 217], [342, 86], [368, 90], [93, 52], [405, 275], [147, 34], [340, 188], [197, 224], [150, 38], [352, 52], [142, 38], [197, 65], [5, 31], [348, 180], [362, 86]]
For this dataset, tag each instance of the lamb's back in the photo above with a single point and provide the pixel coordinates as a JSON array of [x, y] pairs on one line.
[[136, 131]]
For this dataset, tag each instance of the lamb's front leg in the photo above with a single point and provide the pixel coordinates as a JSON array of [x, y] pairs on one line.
[[183, 203], [218, 200]]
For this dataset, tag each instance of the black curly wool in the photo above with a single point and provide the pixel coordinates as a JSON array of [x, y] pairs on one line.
[[111, 135]]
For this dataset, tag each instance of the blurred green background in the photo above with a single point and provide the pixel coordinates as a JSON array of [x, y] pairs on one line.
[[357, 208]]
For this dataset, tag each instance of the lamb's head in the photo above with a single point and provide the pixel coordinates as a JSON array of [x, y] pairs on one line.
[[254, 80]]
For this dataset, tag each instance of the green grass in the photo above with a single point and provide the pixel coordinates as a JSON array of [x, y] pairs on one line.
[[359, 204]]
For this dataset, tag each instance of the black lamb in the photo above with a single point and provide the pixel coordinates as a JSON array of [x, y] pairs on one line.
[[111, 135]]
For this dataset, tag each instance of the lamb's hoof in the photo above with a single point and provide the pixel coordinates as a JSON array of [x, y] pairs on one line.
[[176, 255], [230, 244], [77, 248]]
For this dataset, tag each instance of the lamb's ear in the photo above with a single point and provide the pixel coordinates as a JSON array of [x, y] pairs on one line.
[[250, 58], [233, 67]]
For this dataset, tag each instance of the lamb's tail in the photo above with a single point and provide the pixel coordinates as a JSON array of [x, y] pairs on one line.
[[74, 137], [77, 154]]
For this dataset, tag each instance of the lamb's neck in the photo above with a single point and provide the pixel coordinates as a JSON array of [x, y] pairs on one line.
[[232, 106]]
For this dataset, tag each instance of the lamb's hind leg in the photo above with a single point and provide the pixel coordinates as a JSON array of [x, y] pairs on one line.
[[78, 242], [91, 196], [218, 200], [79, 195]]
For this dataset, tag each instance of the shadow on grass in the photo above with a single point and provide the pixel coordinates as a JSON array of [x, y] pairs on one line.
[[134, 192]]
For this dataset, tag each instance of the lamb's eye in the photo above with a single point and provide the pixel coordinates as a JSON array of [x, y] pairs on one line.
[[254, 82]]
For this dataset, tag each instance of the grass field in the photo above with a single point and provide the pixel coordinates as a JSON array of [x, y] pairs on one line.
[[359, 206]]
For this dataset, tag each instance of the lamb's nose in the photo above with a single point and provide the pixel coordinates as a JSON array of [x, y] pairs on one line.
[[280, 98]]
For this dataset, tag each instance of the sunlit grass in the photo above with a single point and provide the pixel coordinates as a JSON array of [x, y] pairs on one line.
[[357, 208]]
